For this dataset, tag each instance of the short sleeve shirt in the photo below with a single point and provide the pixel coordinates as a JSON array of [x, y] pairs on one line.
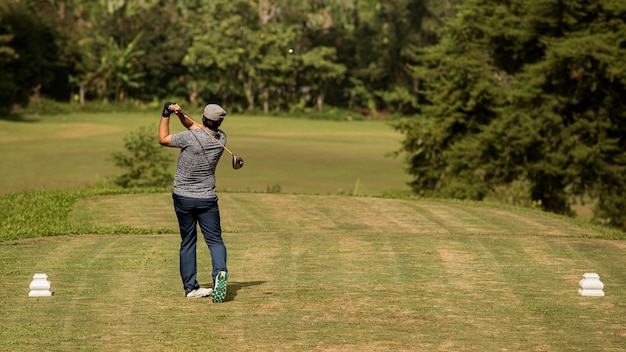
[[198, 158]]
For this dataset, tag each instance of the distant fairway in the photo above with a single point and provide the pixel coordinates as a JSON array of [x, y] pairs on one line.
[[320, 273], [281, 154]]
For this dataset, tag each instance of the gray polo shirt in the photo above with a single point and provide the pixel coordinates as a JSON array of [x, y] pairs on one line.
[[195, 170]]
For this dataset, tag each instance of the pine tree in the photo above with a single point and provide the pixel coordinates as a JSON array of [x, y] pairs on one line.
[[526, 93]]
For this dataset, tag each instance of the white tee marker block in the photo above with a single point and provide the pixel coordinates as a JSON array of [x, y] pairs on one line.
[[591, 285], [40, 286]]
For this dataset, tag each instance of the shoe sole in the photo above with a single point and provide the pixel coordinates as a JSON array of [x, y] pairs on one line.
[[219, 291], [200, 296]]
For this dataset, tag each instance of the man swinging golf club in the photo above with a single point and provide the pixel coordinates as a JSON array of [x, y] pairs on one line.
[[195, 199]]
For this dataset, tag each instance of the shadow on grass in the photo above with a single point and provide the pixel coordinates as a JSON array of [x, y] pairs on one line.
[[17, 117], [233, 287]]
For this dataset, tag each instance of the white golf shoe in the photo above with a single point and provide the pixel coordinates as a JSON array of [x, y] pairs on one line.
[[199, 292]]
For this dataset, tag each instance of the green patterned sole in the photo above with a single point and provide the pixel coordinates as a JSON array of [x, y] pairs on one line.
[[219, 291]]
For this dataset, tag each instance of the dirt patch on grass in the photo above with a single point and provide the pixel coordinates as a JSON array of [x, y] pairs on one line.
[[456, 260], [537, 223], [542, 253]]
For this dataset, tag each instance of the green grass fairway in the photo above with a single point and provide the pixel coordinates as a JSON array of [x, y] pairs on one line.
[[319, 273], [280, 154]]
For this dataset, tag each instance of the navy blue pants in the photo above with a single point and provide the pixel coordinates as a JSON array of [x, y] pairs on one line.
[[205, 212]]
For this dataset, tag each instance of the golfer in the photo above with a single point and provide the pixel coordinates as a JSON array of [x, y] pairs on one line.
[[195, 200]]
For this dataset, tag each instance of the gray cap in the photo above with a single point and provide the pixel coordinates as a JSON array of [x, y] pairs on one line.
[[214, 112]]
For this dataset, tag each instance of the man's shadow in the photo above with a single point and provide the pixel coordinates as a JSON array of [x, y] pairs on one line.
[[232, 288]]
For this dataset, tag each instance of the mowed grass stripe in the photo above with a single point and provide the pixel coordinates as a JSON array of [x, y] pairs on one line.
[[418, 302], [88, 283], [545, 276], [367, 278], [278, 213], [111, 292]]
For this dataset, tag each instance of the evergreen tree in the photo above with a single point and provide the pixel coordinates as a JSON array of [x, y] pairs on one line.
[[526, 95]]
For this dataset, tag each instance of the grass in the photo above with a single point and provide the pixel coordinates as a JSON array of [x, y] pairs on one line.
[[319, 273], [311, 267], [281, 154]]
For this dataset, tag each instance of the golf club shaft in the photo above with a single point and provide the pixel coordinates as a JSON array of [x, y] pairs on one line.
[[202, 127]]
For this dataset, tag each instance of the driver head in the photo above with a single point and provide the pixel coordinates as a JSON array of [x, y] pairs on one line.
[[237, 162]]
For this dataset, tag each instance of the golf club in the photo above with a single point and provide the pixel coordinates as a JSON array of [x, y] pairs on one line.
[[237, 160]]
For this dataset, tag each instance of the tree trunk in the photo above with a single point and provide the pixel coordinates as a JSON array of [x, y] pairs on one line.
[[62, 10], [247, 87], [35, 98], [266, 100], [119, 94], [82, 90], [320, 102], [193, 97], [266, 11]]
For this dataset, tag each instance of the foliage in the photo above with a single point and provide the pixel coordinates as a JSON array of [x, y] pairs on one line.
[[7, 55], [27, 54], [514, 95], [226, 49], [146, 162], [320, 71], [49, 107], [345, 53], [107, 69], [161, 46]]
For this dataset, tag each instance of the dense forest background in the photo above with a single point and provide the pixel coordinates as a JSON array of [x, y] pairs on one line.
[[273, 55], [521, 101]]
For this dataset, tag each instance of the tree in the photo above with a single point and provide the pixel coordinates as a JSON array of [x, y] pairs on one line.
[[7, 55], [224, 53], [120, 67], [279, 66], [574, 98], [100, 46], [236, 52], [389, 36], [159, 52], [519, 96], [28, 55], [463, 93], [320, 69]]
